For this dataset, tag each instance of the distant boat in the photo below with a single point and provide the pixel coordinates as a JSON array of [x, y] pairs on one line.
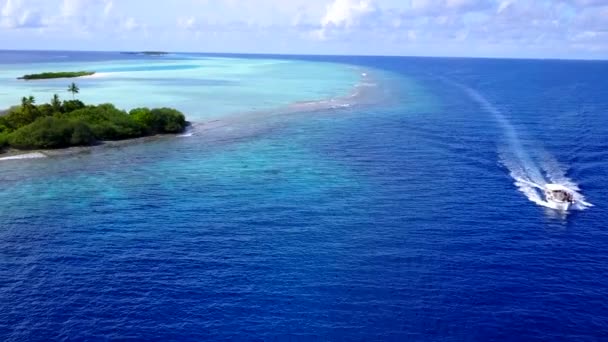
[[559, 196]]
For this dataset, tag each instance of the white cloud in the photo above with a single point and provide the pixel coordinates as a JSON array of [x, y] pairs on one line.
[[443, 7], [318, 26], [503, 6], [30, 19], [89, 17], [10, 8], [465, 4], [342, 14], [345, 12], [130, 24], [108, 7], [71, 8], [75, 8], [187, 23], [15, 15]]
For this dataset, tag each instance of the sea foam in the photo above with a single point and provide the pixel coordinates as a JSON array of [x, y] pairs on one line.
[[33, 155], [530, 165]]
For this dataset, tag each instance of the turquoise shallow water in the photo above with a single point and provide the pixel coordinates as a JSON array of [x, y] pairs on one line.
[[203, 88], [397, 217]]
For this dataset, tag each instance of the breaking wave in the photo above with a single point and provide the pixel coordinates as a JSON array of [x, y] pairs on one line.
[[530, 166], [32, 155]]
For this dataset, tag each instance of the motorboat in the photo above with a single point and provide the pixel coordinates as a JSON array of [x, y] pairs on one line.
[[559, 196]]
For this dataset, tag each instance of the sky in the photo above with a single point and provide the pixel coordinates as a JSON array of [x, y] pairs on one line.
[[475, 28]]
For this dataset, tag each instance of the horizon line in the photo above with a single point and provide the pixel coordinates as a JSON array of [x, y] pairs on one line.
[[314, 54]]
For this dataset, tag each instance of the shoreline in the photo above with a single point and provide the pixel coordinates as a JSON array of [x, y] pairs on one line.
[[95, 75], [358, 95], [14, 154]]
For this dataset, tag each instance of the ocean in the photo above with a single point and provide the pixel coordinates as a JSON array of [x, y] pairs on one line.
[[314, 198]]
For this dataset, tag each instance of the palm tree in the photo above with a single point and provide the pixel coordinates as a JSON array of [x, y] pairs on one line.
[[28, 109], [73, 88], [56, 103], [27, 102]]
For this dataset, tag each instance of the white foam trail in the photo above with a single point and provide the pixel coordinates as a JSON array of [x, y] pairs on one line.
[[33, 155], [531, 168]]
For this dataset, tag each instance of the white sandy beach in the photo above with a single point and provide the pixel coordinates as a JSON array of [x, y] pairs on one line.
[[30, 155]]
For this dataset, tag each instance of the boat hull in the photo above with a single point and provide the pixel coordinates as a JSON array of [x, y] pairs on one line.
[[563, 206]]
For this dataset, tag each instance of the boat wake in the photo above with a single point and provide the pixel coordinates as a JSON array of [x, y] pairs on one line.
[[531, 167]]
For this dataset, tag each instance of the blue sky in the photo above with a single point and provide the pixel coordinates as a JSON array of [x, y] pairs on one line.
[[492, 28]]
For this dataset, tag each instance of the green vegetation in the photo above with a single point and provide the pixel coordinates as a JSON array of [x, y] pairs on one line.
[[63, 74], [73, 88], [72, 123]]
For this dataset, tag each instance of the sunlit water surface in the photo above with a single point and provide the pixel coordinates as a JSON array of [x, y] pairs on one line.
[[341, 198]]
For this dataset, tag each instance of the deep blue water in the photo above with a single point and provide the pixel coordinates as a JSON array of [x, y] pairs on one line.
[[394, 221]]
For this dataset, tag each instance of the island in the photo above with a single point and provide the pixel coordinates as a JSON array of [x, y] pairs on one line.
[[61, 74], [146, 53], [60, 124]]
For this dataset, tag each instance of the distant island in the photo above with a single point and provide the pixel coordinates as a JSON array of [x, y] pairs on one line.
[[61, 74], [60, 124], [147, 53]]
